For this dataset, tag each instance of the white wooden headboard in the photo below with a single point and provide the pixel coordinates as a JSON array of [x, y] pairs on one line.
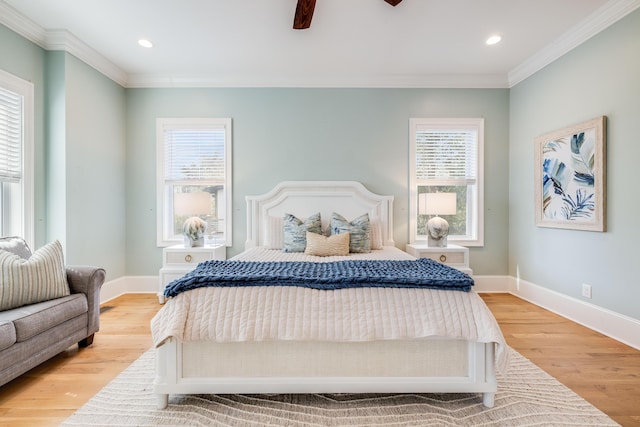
[[304, 198]]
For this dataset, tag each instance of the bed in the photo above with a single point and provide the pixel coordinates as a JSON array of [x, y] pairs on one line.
[[290, 339]]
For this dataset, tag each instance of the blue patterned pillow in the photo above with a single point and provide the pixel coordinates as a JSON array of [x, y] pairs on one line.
[[295, 231], [359, 229]]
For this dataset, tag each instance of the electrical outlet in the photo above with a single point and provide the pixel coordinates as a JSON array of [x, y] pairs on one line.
[[586, 290]]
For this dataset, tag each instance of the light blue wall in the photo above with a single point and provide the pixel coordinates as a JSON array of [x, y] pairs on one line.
[[600, 77], [314, 134], [79, 153], [95, 169], [55, 148], [349, 134], [355, 134]]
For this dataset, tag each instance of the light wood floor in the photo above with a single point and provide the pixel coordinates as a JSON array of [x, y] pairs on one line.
[[601, 370]]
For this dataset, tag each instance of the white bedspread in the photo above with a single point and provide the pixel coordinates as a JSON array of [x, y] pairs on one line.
[[295, 313]]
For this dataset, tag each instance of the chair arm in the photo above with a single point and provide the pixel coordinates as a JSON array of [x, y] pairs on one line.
[[88, 280]]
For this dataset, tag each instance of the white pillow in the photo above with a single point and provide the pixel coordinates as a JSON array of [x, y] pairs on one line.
[[16, 245], [27, 281], [274, 232], [334, 245]]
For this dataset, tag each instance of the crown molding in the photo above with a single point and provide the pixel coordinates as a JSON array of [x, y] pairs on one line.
[[59, 40], [602, 18], [17, 22], [599, 20], [321, 81], [65, 41]]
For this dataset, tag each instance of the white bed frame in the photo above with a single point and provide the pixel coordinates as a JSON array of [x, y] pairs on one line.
[[230, 368]]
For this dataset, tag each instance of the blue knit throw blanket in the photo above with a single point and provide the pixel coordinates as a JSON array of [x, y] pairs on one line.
[[419, 273]]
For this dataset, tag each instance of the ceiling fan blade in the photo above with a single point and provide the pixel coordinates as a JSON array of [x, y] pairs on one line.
[[393, 2], [304, 14]]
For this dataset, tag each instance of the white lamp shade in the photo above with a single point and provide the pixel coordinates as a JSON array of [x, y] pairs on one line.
[[437, 204], [197, 203]]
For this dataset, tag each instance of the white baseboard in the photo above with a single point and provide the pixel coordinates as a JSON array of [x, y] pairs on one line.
[[614, 325], [128, 285], [617, 326], [492, 284]]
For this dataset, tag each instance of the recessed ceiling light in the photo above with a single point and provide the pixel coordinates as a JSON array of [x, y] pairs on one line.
[[145, 43], [493, 39]]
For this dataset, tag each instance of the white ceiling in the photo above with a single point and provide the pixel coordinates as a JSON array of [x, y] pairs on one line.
[[351, 43]]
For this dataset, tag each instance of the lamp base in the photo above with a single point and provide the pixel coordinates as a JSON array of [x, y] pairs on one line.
[[436, 243], [437, 232], [190, 243]]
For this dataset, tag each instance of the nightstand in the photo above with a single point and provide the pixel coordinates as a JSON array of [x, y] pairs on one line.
[[178, 261], [451, 255]]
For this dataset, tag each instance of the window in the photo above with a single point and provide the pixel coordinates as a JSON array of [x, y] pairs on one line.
[[194, 177], [16, 157], [446, 156]]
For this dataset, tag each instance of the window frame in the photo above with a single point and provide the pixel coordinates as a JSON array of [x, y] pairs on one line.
[[163, 216], [21, 210], [475, 218]]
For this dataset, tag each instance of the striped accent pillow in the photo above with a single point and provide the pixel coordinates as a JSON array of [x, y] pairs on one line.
[[359, 228], [295, 237], [27, 281], [320, 245]]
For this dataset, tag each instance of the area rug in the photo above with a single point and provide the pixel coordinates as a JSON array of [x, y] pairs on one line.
[[526, 397]]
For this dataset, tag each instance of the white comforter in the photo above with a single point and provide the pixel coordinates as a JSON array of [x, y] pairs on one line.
[[295, 313]]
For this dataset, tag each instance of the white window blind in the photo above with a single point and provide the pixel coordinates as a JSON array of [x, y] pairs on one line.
[[194, 155], [446, 155], [11, 133]]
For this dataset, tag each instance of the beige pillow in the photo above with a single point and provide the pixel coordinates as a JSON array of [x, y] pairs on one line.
[[27, 281], [319, 245]]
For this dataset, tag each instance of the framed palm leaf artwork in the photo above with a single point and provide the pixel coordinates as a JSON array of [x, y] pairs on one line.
[[570, 177]]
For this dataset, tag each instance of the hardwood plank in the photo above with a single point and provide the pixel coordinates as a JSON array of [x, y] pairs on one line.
[[51, 392], [601, 370]]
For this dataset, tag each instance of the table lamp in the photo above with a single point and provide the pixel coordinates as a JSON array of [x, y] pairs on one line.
[[437, 204], [193, 204]]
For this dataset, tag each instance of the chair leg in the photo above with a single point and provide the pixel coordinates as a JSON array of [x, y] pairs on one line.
[[87, 341]]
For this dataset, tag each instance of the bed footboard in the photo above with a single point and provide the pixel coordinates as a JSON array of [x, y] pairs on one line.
[[177, 372]]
